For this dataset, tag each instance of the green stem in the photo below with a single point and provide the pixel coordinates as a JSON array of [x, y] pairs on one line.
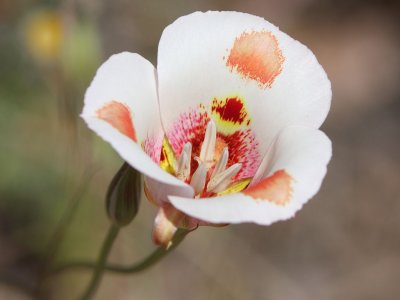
[[147, 262], [101, 262]]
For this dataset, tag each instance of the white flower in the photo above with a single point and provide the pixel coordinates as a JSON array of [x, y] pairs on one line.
[[225, 130]]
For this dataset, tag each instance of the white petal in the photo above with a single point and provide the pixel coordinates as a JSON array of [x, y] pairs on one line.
[[121, 106], [296, 166], [195, 65], [158, 193]]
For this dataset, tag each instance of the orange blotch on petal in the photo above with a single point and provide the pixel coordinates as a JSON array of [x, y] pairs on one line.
[[257, 56], [276, 188], [118, 116]]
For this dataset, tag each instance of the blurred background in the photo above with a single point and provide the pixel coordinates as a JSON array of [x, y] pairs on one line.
[[345, 243]]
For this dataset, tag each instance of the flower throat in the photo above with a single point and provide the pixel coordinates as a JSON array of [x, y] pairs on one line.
[[211, 177]]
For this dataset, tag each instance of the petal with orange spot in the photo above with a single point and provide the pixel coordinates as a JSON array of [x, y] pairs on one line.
[[276, 188], [118, 115], [257, 56]]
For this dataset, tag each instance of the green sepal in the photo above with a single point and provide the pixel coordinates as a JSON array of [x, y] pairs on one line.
[[123, 195]]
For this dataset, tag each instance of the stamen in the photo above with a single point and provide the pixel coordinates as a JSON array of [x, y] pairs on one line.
[[208, 146], [222, 180], [188, 149], [221, 164], [199, 179], [183, 168]]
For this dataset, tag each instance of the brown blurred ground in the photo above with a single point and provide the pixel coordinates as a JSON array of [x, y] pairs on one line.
[[344, 244]]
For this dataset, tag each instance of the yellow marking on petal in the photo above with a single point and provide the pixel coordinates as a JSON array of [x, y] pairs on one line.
[[235, 187], [168, 159]]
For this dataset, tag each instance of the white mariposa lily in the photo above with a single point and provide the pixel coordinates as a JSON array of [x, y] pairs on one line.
[[225, 130]]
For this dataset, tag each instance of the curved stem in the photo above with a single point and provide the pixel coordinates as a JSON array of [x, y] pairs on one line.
[[147, 262], [101, 262]]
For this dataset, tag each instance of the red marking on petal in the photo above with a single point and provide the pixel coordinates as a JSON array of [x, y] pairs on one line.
[[230, 110], [162, 156], [243, 148], [276, 188], [119, 117], [257, 56]]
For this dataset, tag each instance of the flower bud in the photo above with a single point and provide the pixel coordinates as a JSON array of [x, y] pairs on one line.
[[123, 195]]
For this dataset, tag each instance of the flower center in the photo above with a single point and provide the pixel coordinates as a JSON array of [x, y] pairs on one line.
[[211, 175]]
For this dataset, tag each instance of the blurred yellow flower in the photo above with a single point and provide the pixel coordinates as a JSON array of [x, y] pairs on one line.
[[43, 33]]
